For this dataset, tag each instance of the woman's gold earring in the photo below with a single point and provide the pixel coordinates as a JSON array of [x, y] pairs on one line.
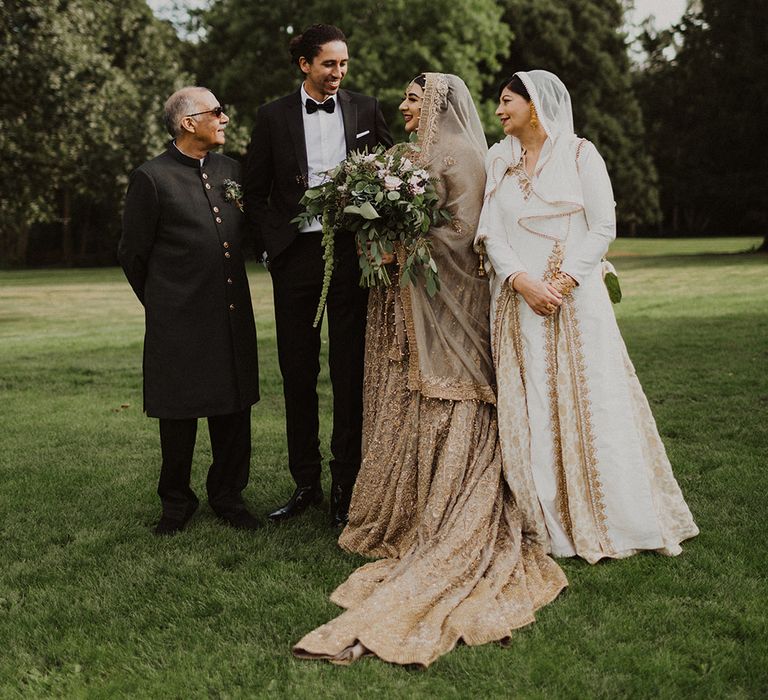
[[534, 117]]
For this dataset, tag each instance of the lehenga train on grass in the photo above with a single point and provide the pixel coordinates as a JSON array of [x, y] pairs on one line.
[[580, 447], [431, 499]]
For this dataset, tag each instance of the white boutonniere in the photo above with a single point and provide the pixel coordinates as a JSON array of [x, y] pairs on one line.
[[233, 192]]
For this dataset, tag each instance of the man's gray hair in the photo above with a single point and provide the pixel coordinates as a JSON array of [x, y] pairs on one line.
[[182, 103]]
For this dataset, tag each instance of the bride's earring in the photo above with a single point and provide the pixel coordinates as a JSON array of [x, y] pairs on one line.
[[534, 117]]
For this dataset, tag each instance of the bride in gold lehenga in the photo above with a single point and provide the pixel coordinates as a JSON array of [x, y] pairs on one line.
[[430, 497]]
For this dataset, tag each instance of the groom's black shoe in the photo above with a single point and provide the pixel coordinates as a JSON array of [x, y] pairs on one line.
[[340, 498], [169, 525], [302, 498]]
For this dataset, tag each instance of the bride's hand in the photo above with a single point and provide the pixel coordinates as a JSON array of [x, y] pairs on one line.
[[542, 297]]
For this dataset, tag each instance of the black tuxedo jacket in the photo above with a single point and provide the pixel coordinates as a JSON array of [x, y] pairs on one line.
[[276, 166]]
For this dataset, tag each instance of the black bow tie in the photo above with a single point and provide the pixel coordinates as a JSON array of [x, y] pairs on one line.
[[328, 106]]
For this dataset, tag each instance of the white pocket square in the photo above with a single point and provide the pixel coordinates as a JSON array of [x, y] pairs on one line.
[[363, 133]]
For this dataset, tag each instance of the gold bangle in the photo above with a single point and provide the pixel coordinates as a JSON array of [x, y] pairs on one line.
[[564, 283]]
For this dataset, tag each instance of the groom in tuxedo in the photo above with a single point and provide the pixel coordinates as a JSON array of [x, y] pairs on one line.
[[296, 140]]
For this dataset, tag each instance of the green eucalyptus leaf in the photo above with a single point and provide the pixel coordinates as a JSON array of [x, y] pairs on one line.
[[368, 212]]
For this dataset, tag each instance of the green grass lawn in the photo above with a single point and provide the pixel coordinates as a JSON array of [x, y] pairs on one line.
[[91, 604]]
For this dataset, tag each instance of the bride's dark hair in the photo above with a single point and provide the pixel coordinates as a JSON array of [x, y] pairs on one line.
[[310, 41], [514, 84], [420, 80]]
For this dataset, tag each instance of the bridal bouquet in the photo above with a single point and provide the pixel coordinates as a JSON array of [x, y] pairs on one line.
[[384, 198]]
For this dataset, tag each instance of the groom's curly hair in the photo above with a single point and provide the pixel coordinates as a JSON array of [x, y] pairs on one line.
[[311, 40]]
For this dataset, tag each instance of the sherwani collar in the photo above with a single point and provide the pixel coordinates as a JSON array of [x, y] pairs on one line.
[[183, 158]]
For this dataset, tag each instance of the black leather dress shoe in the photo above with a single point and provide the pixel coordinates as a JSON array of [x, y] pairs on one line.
[[241, 520], [340, 498], [302, 498], [168, 525]]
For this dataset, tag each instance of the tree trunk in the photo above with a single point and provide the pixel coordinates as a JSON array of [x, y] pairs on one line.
[[67, 244], [763, 246], [14, 243], [85, 234]]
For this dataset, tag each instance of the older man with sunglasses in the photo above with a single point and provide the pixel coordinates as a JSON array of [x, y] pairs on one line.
[[181, 252]]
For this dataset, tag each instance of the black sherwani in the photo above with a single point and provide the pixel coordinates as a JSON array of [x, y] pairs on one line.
[[181, 251], [275, 180]]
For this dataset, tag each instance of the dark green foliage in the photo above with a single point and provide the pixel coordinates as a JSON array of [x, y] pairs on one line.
[[245, 58], [85, 81], [706, 111], [582, 42]]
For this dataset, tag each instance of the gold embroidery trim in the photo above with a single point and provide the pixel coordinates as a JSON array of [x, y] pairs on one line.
[[435, 91], [508, 299], [517, 335], [550, 348], [578, 151], [584, 418], [551, 330], [524, 181], [414, 378], [501, 307]]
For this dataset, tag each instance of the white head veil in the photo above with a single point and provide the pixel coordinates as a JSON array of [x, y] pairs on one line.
[[556, 190], [552, 102]]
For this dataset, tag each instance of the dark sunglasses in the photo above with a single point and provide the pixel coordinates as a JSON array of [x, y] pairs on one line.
[[217, 111]]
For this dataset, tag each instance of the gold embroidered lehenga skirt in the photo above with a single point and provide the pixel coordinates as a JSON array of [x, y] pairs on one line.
[[430, 500]]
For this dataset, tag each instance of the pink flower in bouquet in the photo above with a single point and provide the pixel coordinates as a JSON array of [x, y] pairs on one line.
[[392, 182], [416, 185]]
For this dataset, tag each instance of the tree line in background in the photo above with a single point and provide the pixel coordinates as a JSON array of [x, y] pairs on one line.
[[85, 81]]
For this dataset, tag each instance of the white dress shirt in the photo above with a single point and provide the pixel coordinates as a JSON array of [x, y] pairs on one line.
[[325, 142]]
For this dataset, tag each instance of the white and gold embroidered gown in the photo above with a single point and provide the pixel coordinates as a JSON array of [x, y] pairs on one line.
[[581, 451], [431, 498]]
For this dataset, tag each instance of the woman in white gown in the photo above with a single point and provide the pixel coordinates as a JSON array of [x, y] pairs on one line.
[[580, 447], [430, 501]]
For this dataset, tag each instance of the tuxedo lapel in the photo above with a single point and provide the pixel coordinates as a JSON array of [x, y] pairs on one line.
[[349, 115], [295, 121]]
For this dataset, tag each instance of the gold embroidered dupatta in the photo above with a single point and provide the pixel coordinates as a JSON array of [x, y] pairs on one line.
[[448, 335]]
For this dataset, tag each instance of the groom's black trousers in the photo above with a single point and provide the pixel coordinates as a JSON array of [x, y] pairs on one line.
[[297, 275], [228, 474]]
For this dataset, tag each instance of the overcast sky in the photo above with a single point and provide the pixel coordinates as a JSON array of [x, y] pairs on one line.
[[667, 12]]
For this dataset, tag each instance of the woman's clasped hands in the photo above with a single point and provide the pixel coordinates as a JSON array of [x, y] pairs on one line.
[[544, 298]]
